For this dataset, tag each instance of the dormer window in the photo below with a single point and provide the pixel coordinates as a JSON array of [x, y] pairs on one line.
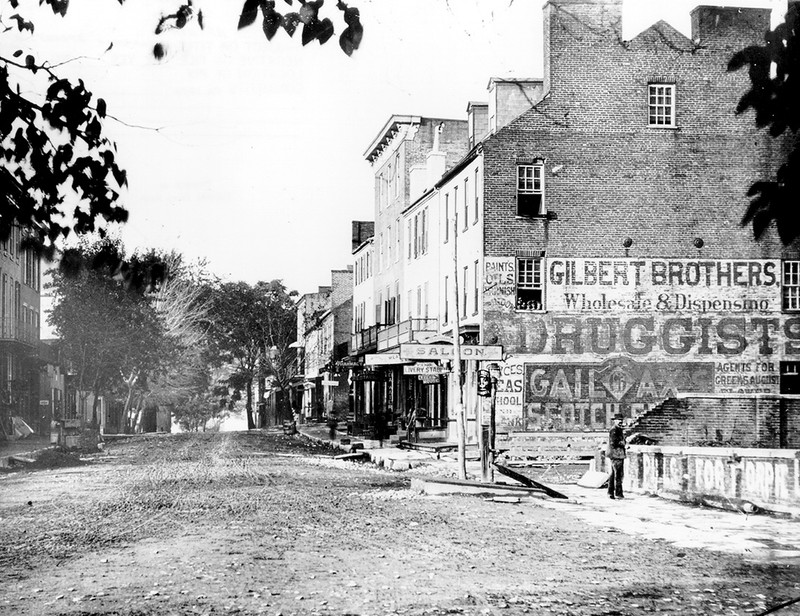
[[530, 190], [661, 105]]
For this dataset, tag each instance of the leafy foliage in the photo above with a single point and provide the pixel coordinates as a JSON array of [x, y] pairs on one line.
[[194, 414], [52, 141], [250, 329], [774, 70], [110, 333], [315, 28]]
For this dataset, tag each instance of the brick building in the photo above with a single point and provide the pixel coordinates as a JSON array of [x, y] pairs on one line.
[[616, 201], [593, 231]]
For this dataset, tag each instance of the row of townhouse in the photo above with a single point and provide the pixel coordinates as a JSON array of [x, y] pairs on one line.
[[34, 386], [587, 222]]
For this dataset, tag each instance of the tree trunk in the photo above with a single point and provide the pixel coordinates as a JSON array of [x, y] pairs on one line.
[[127, 411], [139, 416], [249, 405], [262, 404], [95, 404]]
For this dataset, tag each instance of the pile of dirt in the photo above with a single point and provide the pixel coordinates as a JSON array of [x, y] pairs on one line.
[[53, 458]]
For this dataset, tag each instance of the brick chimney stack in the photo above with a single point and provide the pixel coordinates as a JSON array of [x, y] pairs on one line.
[[726, 26], [598, 15]]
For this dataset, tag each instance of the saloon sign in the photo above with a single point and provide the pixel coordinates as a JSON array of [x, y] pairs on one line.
[[446, 351]]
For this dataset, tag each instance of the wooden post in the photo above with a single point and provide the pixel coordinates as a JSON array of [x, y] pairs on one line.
[[492, 427], [487, 472], [459, 394]]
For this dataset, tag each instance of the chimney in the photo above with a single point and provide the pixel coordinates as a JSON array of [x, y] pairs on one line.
[[362, 231], [435, 161], [417, 182], [510, 98], [566, 21], [477, 122], [727, 26]]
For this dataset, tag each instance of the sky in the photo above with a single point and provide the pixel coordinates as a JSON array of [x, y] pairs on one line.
[[248, 153]]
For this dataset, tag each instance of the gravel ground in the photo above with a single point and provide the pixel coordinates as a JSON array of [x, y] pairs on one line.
[[254, 523]]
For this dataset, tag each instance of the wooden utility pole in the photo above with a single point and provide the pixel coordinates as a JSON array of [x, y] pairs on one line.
[[461, 428], [492, 425]]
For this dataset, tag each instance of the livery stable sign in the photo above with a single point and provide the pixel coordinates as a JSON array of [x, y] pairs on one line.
[[622, 335], [425, 367]]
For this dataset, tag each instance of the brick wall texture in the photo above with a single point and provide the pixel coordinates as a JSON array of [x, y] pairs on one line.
[[739, 422], [607, 174]]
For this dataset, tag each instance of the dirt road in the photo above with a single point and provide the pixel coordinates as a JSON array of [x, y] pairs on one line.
[[239, 523]]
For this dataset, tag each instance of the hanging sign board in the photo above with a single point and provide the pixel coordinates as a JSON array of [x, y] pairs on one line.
[[383, 359], [429, 379], [348, 363], [445, 351], [425, 367]]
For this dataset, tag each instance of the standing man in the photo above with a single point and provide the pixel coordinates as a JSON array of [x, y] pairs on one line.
[[616, 457]]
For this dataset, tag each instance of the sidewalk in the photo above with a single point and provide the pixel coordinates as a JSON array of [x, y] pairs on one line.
[[380, 453], [22, 447], [757, 537]]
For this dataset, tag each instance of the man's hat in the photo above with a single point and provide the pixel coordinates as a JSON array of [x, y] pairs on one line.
[[619, 416]]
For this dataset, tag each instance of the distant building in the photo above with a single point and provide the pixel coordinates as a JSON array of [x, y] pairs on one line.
[[323, 338], [20, 288]]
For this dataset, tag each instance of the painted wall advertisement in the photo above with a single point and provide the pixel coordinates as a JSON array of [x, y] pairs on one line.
[[622, 335]]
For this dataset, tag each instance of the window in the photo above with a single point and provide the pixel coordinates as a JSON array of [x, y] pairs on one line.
[[380, 253], [464, 292], [475, 189], [530, 190], [420, 233], [455, 209], [419, 302], [530, 290], [791, 285], [390, 308], [398, 249], [790, 377], [424, 231], [397, 175], [389, 243], [425, 299], [475, 288], [466, 203], [446, 299], [446, 218], [410, 303], [410, 236], [661, 105]]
